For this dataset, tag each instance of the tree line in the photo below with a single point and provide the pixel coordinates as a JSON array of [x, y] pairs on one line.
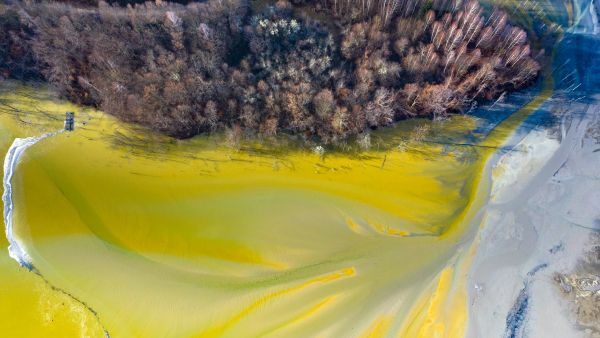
[[226, 64]]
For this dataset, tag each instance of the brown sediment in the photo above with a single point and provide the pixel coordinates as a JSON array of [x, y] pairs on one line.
[[581, 288]]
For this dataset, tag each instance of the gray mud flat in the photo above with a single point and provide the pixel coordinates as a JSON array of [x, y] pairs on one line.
[[537, 269]]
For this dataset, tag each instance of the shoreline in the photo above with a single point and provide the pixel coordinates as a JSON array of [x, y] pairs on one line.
[[11, 161]]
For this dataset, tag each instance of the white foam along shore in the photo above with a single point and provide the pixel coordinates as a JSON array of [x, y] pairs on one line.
[[13, 155]]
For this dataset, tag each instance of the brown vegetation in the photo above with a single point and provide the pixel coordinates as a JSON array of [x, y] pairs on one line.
[[164, 66], [16, 57], [183, 70]]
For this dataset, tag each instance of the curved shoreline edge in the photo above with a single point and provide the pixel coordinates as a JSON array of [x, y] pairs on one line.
[[16, 249], [13, 155]]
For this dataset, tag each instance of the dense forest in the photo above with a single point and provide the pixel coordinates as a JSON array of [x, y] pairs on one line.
[[318, 68]]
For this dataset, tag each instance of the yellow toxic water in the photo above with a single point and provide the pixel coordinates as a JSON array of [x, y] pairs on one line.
[[138, 235]]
